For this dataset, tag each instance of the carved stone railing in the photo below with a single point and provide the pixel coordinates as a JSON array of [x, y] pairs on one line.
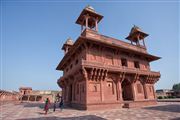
[[113, 68], [112, 41]]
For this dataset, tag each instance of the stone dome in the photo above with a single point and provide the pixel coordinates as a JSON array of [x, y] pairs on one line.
[[88, 7], [134, 29], [69, 41]]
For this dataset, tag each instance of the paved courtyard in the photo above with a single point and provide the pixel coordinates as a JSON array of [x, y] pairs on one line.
[[34, 111]]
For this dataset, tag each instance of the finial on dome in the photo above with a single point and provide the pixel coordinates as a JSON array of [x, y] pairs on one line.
[[69, 41], [88, 7]]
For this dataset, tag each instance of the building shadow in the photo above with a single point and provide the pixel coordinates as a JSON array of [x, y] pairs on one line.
[[175, 118], [87, 117], [40, 105], [168, 108]]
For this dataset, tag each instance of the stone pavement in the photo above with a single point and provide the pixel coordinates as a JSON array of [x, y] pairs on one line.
[[34, 111]]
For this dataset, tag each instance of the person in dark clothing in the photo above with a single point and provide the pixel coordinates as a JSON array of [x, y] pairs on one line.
[[61, 104], [54, 106]]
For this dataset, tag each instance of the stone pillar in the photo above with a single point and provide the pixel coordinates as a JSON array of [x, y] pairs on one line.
[[102, 90], [96, 24], [117, 90], [86, 17], [81, 28], [154, 92], [28, 97], [144, 43], [120, 91], [133, 91], [35, 98], [67, 94], [145, 91], [86, 89], [73, 92]]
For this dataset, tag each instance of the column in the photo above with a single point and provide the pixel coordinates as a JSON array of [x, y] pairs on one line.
[[86, 88], [28, 97], [72, 99], [133, 91], [144, 43], [120, 91], [145, 91], [153, 92], [86, 17], [96, 24], [35, 98], [67, 94], [117, 90], [102, 90], [81, 28]]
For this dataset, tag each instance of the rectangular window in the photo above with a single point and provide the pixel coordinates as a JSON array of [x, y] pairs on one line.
[[124, 62], [109, 60], [136, 64]]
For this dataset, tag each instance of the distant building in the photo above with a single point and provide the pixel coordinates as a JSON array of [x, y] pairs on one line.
[[167, 93], [27, 94], [104, 72], [8, 96], [164, 92]]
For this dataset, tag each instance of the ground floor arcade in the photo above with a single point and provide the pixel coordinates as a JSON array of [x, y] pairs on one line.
[[93, 89]]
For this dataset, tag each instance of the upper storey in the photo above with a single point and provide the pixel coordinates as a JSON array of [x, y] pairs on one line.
[[89, 35]]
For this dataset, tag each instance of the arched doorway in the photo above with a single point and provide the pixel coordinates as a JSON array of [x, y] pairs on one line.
[[126, 90], [24, 98]]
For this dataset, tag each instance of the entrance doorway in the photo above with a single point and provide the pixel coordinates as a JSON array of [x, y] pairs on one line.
[[126, 90]]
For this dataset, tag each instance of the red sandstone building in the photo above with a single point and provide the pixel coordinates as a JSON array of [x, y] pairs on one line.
[[103, 72], [27, 94]]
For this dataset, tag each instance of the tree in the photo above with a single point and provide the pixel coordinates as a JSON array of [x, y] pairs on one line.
[[176, 87]]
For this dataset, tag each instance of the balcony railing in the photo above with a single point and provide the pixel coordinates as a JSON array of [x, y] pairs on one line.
[[116, 68], [112, 41]]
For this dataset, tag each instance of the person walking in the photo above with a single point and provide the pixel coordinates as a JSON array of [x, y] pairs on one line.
[[46, 107], [54, 106], [61, 104]]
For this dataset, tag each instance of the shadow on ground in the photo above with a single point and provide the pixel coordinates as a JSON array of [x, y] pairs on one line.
[[175, 118], [168, 108], [41, 105], [87, 117]]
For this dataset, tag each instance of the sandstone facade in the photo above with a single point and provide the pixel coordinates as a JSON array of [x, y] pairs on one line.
[[103, 72]]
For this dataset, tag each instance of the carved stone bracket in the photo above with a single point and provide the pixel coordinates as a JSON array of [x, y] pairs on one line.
[[97, 74]]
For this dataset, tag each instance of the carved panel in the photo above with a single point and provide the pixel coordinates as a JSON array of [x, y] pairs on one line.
[[110, 87], [139, 88], [109, 59], [94, 87]]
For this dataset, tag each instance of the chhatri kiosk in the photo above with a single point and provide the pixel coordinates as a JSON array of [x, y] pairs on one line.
[[104, 72]]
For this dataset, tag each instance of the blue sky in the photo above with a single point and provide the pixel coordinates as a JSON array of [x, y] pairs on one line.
[[33, 32]]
